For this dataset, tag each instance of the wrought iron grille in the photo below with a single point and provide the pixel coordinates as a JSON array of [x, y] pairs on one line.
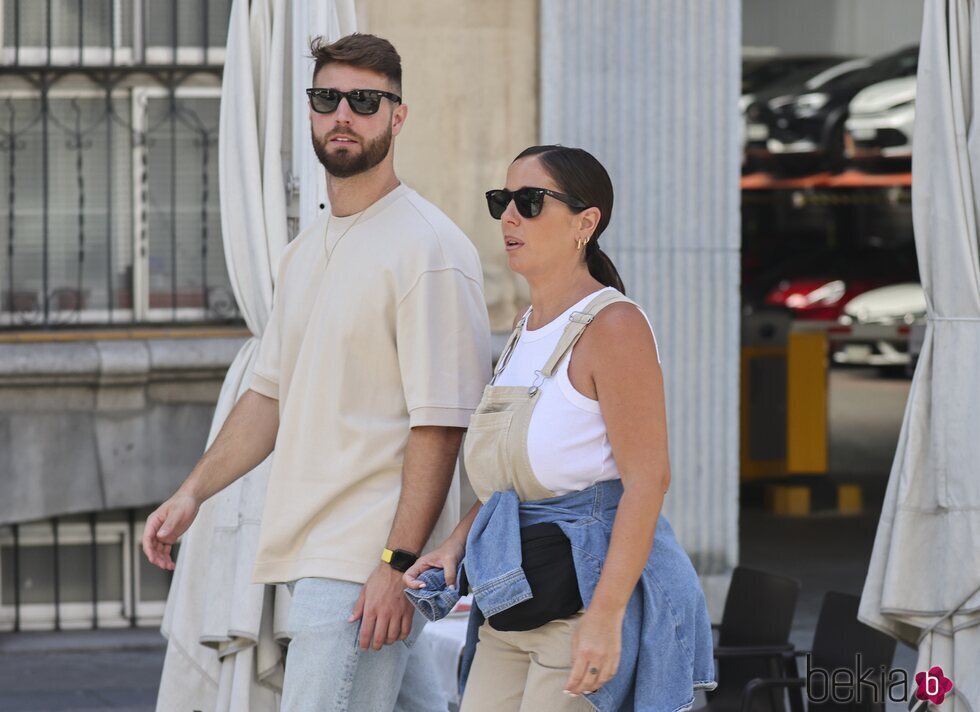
[[79, 571], [108, 162]]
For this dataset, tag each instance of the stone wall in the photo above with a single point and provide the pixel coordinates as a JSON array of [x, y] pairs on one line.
[[94, 425], [471, 84]]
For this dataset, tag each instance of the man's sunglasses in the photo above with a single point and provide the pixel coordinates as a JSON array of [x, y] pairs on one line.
[[361, 101], [529, 201]]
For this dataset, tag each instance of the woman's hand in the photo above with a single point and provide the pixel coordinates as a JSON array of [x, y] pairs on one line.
[[596, 647], [446, 557]]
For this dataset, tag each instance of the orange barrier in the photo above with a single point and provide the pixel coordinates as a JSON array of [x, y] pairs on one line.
[[764, 181], [857, 179], [847, 179]]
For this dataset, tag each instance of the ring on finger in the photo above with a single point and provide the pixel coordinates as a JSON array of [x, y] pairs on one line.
[[593, 671]]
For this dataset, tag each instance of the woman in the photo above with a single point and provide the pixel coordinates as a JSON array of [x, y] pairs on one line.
[[567, 453]]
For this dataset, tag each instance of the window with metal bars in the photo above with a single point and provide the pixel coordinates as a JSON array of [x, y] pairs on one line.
[[108, 163], [80, 571]]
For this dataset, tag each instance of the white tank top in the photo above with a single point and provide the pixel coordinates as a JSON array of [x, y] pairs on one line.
[[566, 441]]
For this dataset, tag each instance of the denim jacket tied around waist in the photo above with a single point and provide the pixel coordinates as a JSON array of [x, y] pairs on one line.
[[667, 649]]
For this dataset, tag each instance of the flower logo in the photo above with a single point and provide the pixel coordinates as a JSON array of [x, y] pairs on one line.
[[933, 685]]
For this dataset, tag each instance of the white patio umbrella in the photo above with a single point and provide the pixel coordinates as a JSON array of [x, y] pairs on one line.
[[223, 631], [926, 558]]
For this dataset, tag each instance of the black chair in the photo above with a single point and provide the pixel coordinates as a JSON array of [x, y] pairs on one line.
[[753, 638], [837, 642]]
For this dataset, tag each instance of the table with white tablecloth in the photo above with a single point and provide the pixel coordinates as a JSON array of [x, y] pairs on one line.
[[444, 641]]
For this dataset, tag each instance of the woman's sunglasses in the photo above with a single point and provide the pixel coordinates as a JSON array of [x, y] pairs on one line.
[[361, 101], [528, 201]]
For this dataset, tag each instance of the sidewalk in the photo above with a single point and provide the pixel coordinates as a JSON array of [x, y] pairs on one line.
[[80, 671]]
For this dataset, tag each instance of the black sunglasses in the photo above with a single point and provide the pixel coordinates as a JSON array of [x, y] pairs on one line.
[[529, 201], [361, 101]]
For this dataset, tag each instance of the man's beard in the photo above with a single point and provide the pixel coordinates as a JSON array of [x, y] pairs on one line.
[[343, 163]]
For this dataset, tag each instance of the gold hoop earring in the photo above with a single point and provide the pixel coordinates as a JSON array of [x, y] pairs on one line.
[[581, 243]]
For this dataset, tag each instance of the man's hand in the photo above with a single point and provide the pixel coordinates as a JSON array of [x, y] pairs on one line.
[[245, 440], [384, 612], [170, 520], [427, 473]]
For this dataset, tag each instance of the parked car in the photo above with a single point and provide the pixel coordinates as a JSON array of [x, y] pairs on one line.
[[878, 130], [806, 127], [820, 286], [759, 74], [875, 328], [756, 114], [820, 298]]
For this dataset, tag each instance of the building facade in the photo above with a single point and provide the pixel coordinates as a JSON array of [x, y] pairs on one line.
[[116, 319]]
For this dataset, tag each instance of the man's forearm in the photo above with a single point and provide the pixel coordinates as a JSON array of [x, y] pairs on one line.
[[430, 459], [245, 440]]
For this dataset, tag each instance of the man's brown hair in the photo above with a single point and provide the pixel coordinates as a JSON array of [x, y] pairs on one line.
[[363, 51]]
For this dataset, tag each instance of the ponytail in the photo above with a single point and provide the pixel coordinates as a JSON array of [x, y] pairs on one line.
[[601, 267], [579, 174]]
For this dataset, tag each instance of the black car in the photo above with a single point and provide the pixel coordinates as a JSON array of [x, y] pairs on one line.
[[762, 73], [754, 108], [806, 126]]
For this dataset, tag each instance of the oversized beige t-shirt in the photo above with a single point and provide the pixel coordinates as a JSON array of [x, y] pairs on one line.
[[392, 333]]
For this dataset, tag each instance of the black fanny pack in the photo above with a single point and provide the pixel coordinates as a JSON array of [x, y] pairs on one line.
[[546, 555]]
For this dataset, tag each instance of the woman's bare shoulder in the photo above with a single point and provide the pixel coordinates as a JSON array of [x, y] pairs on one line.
[[620, 328], [622, 318]]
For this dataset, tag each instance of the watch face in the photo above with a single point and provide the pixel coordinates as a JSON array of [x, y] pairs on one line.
[[401, 560]]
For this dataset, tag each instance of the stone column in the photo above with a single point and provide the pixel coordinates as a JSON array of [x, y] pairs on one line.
[[650, 87]]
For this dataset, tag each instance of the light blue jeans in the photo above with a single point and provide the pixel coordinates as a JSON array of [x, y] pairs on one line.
[[327, 672]]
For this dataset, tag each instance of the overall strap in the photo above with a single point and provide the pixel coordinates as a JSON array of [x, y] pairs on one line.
[[509, 346], [577, 322]]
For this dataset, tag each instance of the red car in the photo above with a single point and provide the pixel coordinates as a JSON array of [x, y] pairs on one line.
[[821, 298], [820, 293]]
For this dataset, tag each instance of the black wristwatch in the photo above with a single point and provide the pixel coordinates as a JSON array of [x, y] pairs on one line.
[[398, 559]]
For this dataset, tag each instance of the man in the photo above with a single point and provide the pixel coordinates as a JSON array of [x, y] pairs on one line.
[[375, 355]]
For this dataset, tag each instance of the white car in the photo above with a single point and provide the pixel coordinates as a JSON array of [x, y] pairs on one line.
[[874, 329], [879, 127]]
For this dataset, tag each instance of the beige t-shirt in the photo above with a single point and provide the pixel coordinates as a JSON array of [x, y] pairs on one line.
[[392, 333]]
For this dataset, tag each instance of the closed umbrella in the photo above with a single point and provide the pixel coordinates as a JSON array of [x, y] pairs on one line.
[[923, 584], [333, 19], [224, 632]]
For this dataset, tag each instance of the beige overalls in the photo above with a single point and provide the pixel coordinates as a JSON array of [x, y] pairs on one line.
[[520, 670]]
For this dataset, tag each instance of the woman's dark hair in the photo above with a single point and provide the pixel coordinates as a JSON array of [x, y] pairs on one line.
[[577, 173]]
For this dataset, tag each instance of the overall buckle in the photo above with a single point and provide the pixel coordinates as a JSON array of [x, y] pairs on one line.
[[581, 317]]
